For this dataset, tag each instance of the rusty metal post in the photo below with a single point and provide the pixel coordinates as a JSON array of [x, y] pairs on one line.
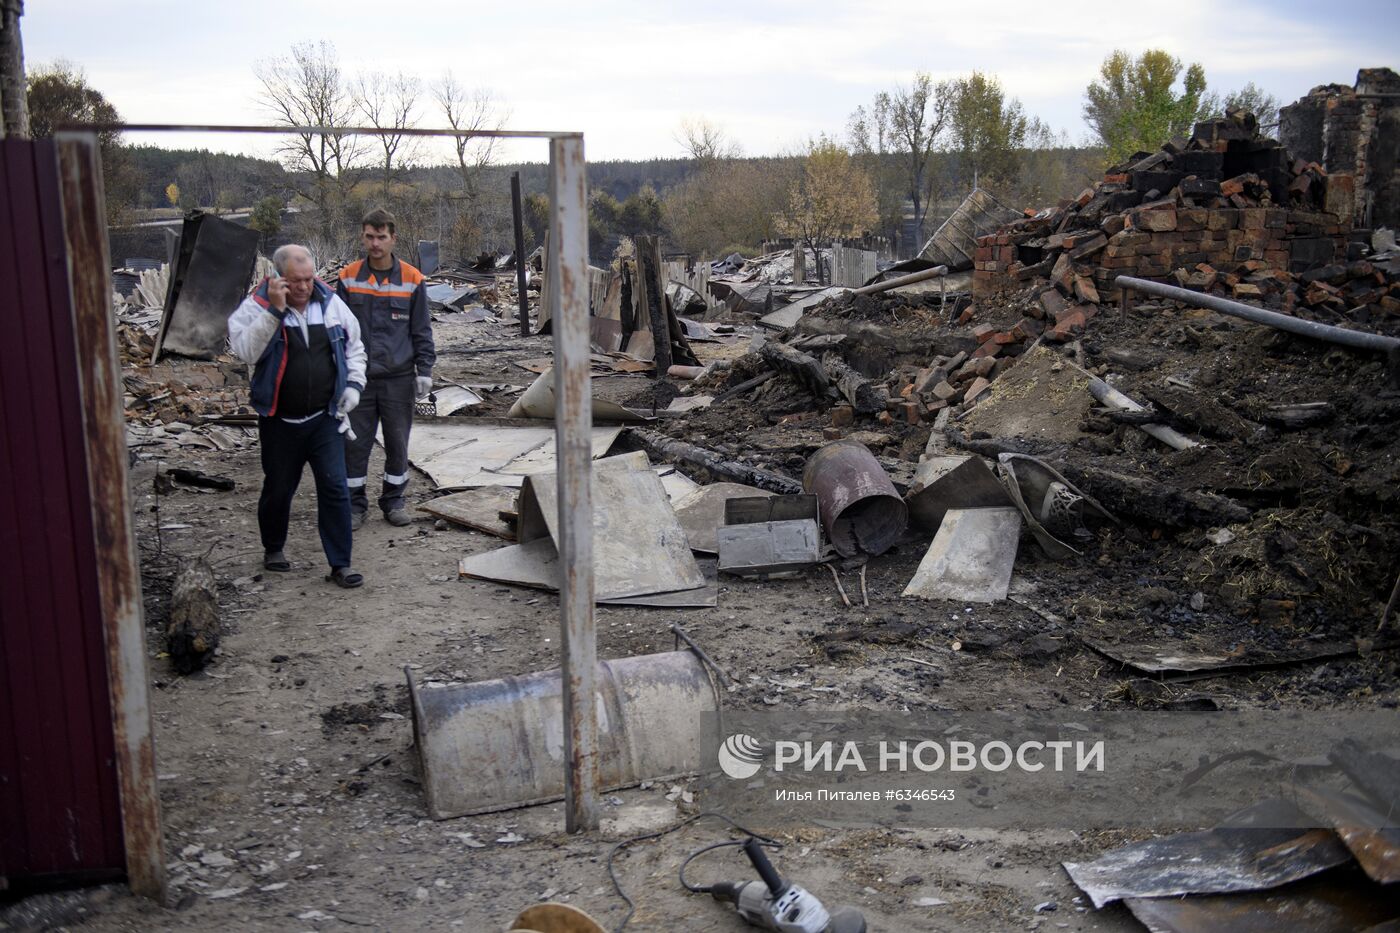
[[521, 278], [119, 583], [573, 419]]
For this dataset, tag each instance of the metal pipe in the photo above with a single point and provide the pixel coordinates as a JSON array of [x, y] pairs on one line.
[[909, 279], [311, 130], [1108, 395], [1359, 340], [521, 279], [573, 419]]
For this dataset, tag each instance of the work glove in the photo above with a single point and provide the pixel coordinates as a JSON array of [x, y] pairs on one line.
[[348, 400], [344, 426], [422, 385]]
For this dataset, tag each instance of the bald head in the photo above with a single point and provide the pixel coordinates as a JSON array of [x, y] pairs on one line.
[[296, 268], [290, 255]]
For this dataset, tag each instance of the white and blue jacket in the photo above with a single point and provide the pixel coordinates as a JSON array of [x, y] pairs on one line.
[[258, 335]]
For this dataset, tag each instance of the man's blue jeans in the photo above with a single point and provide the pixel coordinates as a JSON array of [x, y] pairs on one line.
[[286, 449]]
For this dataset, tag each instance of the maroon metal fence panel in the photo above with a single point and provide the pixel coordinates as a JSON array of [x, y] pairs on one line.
[[60, 817]]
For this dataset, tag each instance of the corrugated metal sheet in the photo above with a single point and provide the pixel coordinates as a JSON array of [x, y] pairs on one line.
[[59, 813], [954, 243]]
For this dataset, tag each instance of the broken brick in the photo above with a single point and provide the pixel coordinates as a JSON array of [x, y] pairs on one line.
[[1084, 289], [977, 388], [983, 332], [1052, 302], [1157, 221], [1027, 329], [1069, 325]]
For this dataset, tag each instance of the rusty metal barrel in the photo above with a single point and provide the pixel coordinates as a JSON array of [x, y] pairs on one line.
[[499, 744], [860, 509]]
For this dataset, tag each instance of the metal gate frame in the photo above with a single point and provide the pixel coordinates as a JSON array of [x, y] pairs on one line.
[[119, 582], [568, 307]]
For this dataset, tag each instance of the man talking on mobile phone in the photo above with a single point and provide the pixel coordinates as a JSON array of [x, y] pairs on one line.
[[308, 371]]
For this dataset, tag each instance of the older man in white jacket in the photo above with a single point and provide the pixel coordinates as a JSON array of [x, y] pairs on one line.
[[308, 371]]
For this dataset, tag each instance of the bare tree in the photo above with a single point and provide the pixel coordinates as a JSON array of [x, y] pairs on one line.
[[917, 116], [1257, 101], [705, 141], [469, 111], [390, 105], [308, 89], [873, 146]]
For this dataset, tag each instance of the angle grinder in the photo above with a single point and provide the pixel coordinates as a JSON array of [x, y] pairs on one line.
[[775, 904]]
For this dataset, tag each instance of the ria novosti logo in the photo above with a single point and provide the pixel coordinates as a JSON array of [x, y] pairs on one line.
[[741, 756]]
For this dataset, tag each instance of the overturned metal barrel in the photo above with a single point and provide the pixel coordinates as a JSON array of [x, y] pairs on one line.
[[499, 744], [860, 509]]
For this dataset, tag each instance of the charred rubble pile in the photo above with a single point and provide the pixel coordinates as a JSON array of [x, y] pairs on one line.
[[1253, 473], [1228, 212]]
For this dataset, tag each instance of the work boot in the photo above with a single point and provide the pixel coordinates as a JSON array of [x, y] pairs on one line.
[[398, 518], [357, 520], [276, 561], [344, 577]]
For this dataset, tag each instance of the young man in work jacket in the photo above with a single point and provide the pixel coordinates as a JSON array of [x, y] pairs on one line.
[[390, 300], [308, 371]]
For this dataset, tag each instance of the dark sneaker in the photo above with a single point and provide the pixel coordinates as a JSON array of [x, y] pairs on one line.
[[399, 518], [276, 561], [357, 520], [344, 577]]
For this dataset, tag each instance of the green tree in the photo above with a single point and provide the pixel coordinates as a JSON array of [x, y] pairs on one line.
[[1135, 105], [535, 208], [988, 132], [831, 198], [602, 223], [640, 214], [58, 94], [266, 217]]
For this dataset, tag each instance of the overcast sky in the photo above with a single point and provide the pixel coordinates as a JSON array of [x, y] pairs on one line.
[[627, 73]]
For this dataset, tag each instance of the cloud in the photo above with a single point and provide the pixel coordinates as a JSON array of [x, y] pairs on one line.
[[625, 73]]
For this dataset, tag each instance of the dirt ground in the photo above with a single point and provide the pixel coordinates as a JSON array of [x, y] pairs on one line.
[[286, 771]]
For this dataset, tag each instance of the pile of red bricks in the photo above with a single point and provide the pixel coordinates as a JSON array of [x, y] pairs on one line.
[[1227, 211]]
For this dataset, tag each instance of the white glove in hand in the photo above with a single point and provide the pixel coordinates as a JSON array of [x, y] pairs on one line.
[[422, 385], [344, 426], [348, 400]]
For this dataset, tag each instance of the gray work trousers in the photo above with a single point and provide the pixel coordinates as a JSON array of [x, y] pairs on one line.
[[386, 405]]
